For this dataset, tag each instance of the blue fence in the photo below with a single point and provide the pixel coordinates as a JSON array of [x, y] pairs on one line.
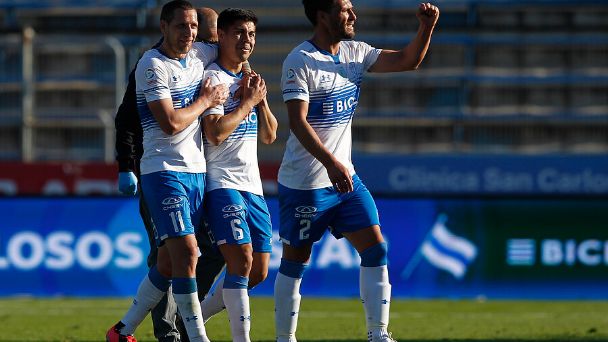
[[456, 248]]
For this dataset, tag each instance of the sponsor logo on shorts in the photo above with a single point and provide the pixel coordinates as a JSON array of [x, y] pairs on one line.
[[305, 211], [232, 208], [172, 203]]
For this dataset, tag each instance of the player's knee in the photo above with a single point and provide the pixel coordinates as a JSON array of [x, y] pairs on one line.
[[190, 255], [164, 267], [184, 260], [257, 277], [374, 256], [239, 264], [160, 281]]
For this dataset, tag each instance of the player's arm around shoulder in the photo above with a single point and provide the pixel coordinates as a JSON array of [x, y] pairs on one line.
[[410, 57], [156, 89]]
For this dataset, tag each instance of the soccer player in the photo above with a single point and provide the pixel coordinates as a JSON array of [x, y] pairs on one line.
[[171, 96], [129, 150], [318, 186], [235, 208]]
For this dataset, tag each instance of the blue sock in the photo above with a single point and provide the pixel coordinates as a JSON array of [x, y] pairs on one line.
[[374, 256], [292, 269]]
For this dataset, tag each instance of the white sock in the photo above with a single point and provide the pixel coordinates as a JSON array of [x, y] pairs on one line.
[[214, 301], [145, 300], [287, 306], [376, 296], [237, 305], [190, 310]]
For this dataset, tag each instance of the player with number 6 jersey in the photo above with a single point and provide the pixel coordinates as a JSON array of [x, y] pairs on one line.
[[235, 208]]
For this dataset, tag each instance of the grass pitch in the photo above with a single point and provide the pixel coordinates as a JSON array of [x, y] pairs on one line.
[[72, 319]]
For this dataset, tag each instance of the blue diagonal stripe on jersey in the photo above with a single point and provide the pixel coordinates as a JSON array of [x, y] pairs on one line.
[[334, 109], [330, 94], [177, 97]]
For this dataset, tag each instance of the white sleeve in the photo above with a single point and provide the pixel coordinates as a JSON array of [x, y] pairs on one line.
[[152, 79], [215, 80], [294, 80], [370, 54], [205, 52]]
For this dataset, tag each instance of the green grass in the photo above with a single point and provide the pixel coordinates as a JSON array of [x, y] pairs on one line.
[[26, 319]]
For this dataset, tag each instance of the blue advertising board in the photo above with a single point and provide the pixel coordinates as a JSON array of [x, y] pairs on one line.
[[548, 175], [454, 248]]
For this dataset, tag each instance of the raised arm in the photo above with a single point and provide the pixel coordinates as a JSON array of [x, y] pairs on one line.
[[410, 57], [219, 126], [173, 121], [338, 173]]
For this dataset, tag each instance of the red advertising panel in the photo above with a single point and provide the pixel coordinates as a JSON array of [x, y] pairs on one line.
[[57, 179]]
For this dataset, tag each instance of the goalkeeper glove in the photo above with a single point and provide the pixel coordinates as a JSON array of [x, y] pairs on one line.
[[127, 183]]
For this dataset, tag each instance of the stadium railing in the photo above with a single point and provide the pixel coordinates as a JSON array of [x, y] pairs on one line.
[[547, 74]]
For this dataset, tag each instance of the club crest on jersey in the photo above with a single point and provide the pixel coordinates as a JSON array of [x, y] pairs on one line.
[[176, 78], [150, 74]]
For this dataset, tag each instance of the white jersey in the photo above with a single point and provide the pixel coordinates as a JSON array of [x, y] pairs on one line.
[[330, 84], [234, 163], [160, 77]]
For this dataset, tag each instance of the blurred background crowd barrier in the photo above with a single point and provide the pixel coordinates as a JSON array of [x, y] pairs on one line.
[[501, 135]]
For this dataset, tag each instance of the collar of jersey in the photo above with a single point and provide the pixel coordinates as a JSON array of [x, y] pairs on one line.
[[335, 57], [239, 75], [182, 61]]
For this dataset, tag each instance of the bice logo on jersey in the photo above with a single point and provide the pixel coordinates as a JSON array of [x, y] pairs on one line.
[[340, 105], [347, 104], [305, 211]]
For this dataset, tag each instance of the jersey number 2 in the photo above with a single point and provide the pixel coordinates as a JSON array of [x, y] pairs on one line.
[[305, 228]]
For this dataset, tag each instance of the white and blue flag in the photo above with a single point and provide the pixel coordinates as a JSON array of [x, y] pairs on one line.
[[444, 250], [447, 251]]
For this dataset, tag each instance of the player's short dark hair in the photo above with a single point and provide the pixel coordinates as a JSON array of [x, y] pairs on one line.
[[231, 15], [311, 7], [167, 13]]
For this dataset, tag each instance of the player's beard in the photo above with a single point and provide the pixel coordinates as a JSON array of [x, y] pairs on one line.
[[343, 31], [183, 48]]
